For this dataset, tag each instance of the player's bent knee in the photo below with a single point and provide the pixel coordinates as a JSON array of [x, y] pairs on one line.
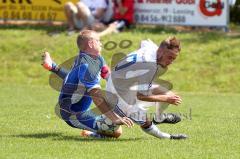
[[82, 9], [118, 132], [115, 134], [81, 6], [70, 8], [68, 5]]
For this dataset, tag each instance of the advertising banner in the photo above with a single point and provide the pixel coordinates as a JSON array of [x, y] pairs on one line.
[[163, 12], [182, 12], [39, 10]]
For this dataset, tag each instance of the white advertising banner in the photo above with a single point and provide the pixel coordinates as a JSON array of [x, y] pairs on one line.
[[182, 12]]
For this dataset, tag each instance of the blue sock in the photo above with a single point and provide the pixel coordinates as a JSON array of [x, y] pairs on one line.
[[54, 65], [97, 135]]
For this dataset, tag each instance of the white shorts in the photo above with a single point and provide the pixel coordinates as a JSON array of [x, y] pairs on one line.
[[137, 112]]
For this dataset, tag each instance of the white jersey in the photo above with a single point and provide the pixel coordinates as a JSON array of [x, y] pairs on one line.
[[135, 73]]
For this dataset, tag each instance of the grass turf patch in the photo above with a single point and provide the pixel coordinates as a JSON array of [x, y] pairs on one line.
[[210, 60], [207, 65], [30, 129]]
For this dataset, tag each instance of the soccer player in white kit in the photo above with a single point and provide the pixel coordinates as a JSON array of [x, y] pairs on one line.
[[131, 89], [132, 83]]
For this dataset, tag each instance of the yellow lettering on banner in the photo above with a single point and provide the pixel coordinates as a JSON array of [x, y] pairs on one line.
[[40, 10]]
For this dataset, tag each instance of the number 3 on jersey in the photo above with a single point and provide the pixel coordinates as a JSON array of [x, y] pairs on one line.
[[127, 61]]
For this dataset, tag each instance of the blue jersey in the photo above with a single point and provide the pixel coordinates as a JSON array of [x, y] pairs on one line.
[[84, 76]]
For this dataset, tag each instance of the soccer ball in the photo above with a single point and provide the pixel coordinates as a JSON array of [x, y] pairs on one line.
[[106, 125]]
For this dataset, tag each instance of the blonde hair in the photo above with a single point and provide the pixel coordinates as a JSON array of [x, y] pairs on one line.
[[171, 43], [83, 37]]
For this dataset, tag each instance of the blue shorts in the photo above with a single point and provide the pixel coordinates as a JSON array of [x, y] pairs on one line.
[[80, 116]]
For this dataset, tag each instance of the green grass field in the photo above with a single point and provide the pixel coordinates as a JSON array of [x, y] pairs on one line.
[[206, 75]]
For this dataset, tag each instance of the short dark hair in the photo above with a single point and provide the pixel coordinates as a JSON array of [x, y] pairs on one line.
[[171, 43], [82, 37]]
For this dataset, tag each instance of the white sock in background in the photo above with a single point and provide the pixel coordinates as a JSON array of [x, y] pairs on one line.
[[154, 131]]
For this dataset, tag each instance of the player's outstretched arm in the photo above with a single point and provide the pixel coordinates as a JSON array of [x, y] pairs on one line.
[[50, 65], [169, 98], [100, 102]]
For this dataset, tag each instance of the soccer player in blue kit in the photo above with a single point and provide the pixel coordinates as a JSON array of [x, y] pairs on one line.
[[81, 87], [123, 104]]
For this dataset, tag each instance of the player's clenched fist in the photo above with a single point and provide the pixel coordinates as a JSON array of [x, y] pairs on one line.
[[173, 99]]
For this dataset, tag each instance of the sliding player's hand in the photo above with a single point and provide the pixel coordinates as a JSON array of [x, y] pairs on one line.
[[124, 121], [174, 99]]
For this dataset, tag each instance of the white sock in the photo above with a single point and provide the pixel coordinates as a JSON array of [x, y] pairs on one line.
[[96, 135], [154, 131], [160, 108]]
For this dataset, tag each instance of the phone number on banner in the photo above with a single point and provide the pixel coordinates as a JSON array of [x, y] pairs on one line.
[[161, 19], [29, 15]]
